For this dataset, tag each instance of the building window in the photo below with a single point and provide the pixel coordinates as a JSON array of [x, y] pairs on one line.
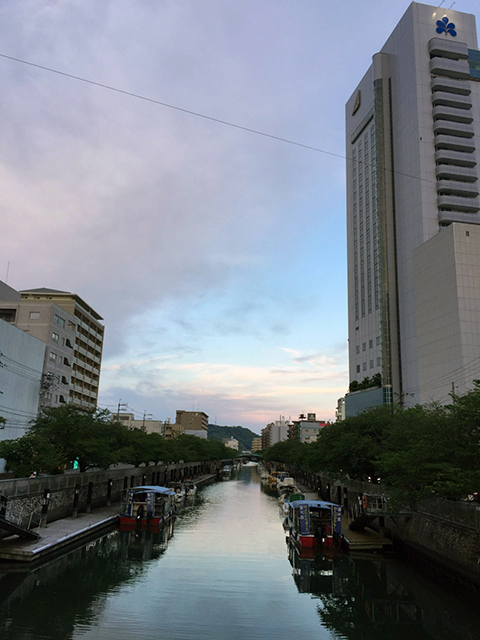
[[371, 364], [379, 362], [364, 346], [55, 336], [357, 348], [364, 366], [58, 320], [370, 344], [52, 356], [378, 340], [358, 368], [34, 315]]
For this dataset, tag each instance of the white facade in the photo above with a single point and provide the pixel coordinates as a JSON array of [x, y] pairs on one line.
[[21, 366], [412, 129], [231, 443]]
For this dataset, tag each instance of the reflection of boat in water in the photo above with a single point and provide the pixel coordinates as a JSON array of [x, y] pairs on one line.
[[147, 506], [314, 523], [316, 574], [145, 544]]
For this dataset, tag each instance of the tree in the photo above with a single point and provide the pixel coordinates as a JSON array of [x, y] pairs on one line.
[[90, 439]]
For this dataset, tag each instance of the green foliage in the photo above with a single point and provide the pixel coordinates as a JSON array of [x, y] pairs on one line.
[[63, 435], [417, 452], [366, 383], [242, 434]]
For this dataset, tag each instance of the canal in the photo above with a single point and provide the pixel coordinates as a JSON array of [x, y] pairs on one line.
[[226, 573]]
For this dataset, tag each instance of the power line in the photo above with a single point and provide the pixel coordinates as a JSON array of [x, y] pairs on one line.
[[203, 115], [170, 106]]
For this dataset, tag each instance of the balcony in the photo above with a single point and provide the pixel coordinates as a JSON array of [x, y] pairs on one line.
[[455, 188], [443, 112], [451, 100], [447, 217], [455, 203], [450, 68], [451, 86], [454, 143], [450, 128], [451, 49], [451, 172], [446, 156]]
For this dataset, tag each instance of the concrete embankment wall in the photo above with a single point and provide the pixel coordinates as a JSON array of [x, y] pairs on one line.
[[443, 532], [27, 497]]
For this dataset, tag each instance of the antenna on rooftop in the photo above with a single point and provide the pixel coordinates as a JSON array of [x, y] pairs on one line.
[[440, 4], [451, 6], [8, 269]]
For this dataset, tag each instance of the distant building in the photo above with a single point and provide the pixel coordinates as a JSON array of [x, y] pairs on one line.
[[256, 445], [73, 335], [192, 423], [340, 410], [275, 432], [306, 428], [231, 443], [145, 424], [21, 367]]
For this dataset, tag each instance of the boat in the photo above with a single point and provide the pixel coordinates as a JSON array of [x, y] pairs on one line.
[[147, 507], [226, 471], [179, 489], [314, 523], [190, 488]]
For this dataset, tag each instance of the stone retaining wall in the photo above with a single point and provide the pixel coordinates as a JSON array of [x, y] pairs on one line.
[[55, 496], [446, 532]]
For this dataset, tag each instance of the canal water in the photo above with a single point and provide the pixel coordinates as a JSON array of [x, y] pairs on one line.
[[226, 573]]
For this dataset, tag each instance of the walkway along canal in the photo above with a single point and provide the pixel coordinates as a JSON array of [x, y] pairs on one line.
[[225, 572]]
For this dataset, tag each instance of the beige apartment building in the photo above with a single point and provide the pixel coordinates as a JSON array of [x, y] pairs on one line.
[[73, 335], [256, 445], [192, 423]]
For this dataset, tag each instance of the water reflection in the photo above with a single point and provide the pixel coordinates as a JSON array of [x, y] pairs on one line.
[[224, 572], [371, 597]]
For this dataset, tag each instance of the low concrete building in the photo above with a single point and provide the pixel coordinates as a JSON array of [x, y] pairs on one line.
[[21, 367], [231, 443], [144, 424], [306, 428]]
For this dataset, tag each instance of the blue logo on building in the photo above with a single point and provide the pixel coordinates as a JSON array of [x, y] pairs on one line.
[[444, 26]]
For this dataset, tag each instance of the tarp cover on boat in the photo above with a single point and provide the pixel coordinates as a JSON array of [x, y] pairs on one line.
[[319, 504], [164, 490]]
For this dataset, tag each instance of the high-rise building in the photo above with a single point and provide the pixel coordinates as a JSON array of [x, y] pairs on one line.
[[73, 333], [413, 234]]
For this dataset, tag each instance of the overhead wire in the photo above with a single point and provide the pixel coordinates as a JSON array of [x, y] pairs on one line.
[[197, 114]]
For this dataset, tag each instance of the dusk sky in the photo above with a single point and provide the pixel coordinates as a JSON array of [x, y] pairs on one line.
[[216, 256]]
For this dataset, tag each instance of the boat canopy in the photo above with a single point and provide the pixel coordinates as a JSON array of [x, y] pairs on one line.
[[153, 489], [319, 504]]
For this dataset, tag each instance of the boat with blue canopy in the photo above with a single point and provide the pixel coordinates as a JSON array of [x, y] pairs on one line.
[[147, 506], [314, 523]]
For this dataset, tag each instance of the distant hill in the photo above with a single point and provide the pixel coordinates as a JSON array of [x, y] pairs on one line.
[[242, 434]]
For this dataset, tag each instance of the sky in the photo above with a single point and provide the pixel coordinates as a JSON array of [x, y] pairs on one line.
[[216, 256]]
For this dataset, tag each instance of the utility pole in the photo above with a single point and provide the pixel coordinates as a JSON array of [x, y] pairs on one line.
[[145, 414], [121, 405]]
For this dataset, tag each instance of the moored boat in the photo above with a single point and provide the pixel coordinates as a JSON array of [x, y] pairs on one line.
[[147, 506], [314, 523], [190, 488], [179, 489]]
